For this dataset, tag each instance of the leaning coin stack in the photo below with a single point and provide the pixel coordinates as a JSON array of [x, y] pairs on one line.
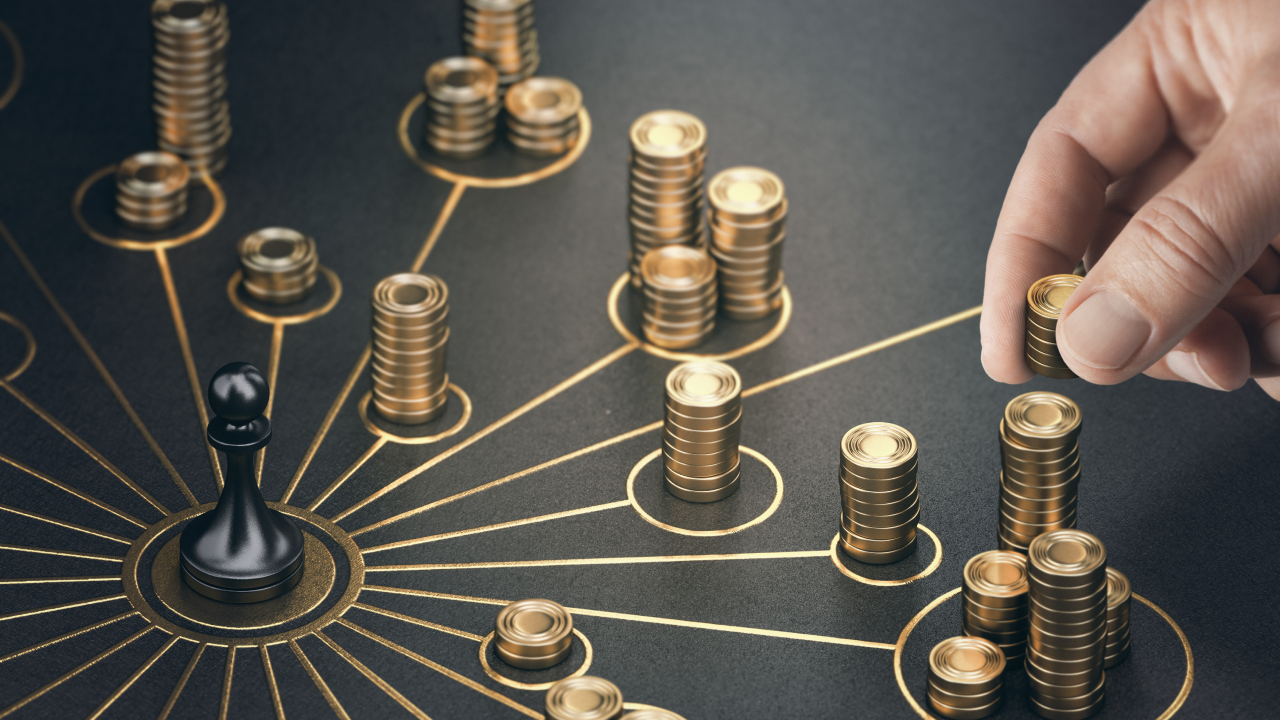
[[462, 106], [542, 115], [700, 432], [879, 496], [1045, 300], [279, 265], [1040, 452], [995, 600], [189, 66], [533, 634], [151, 190], [1119, 593], [502, 33], [966, 678], [1066, 641], [410, 337], [748, 220], [584, 697], [668, 153], [679, 296]]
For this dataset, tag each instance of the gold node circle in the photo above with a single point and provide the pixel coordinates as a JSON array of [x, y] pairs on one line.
[[335, 293], [488, 669], [29, 355], [773, 507], [410, 149], [15, 78], [937, 560], [784, 317], [906, 632], [219, 207], [363, 408]]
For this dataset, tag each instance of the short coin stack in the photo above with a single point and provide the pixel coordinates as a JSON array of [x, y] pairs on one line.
[[1119, 593], [502, 33], [462, 106], [1067, 638], [1045, 300], [879, 496], [151, 190], [584, 697], [279, 264], [995, 600], [1040, 451], [533, 634], [679, 296], [748, 216], [410, 338], [652, 713], [189, 66], [542, 115], [700, 432], [668, 153], [966, 678]]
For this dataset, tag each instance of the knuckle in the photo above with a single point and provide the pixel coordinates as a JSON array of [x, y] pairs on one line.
[[1187, 247]]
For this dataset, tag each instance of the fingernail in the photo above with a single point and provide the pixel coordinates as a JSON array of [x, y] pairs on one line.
[[1186, 365], [1271, 342], [1106, 331]]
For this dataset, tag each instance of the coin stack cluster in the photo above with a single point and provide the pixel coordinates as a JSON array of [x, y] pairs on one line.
[[410, 337], [533, 634], [748, 220], [679, 296], [584, 697], [1066, 641], [966, 678], [542, 116], [280, 265], [668, 154], [189, 66], [995, 600], [1040, 452], [879, 496], [462, 106], [700, 433], [1119, 593], [1045, 300], [501, 32], [151, 190]]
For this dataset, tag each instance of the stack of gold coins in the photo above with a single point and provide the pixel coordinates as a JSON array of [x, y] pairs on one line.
[[533, 634], [1119, 593], [700, 433], [668, 153], [1044, 303], [748, 220], [584, 697], [151, 190], [462, 106], [189, 66], [1040, 451], [410, 336], [995, 600], [279, 265], [652, 713], [879, 497], [679, 296], [1067, 637], [502, 33], [542, 115], [966, 678]]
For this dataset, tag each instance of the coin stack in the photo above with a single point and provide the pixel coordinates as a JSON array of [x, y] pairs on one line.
[[652, 713], [1119, 593], [502, 33], [700, 433], [679, 296], [533, 634], [668, 153], [966, 678], [151, 190], [279, 265], [193, 119], [462, 106], [410, 337], [1066, 641], [879, 497], [1040, 451], [584, 697], [748, 220], [542, 115], [995, 600], [1044, 303]]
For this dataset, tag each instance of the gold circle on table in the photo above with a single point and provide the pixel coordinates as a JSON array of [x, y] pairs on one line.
[[362, 407], [215, 215], [488, 669], [335, 293], [15, 78], [579, 145], [784, 317], [29, 355], [899, 646], [642, 706], [773, 507], [937, 560]]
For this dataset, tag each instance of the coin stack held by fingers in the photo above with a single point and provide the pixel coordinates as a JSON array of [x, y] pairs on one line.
[[151, 190], [542, 115], [189, 81], [1045, 300], [668, 153], [410, 337], [700, 433], [462, 106], [1119, 593], [280, 265], [1040, 455], [584, 697], [966, 678], [748, 220], [533, 634], [995, 600], [679, 296], [879, 495], [502, 33]]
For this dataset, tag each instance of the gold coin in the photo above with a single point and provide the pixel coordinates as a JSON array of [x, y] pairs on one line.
[[998, 577], [678, 267], [966, 665], [746, 194], [1118, 590], [668, 137], [461, 80], [878, 449], [1048, 371], [1067, 555], [703, 389], [652, 714], [874, 557], [705, 496], [543, 100], [584, 697], [1047, 296], [1042, 420], [958, 713]]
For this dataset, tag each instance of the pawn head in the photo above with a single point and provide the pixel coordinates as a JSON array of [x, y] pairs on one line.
[[238, 393]]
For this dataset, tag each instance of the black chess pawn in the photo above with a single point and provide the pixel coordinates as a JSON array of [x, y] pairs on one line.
[[241, 551]]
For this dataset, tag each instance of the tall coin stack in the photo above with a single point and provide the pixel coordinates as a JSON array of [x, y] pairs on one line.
[[1119, 593], [542, 115], [995, 600], [410, 337], [1066, 642], [748, 220], [966, 678], [1040, 451], [1045, 300], [189, 66], [668, 153], [584, 697], [502, 33], [679, 296], [280, 265], [700, 432], [151, 190], [533, 634], [879, 496], [462, 106]]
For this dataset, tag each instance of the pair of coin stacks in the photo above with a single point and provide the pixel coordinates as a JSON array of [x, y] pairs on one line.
[[700, 434], [1119, 594], [966, 678], [189, 83], [1066, 640], [533, 634], [584, 697], [995, 600], [279, 264], [410, 337], [1040, 457], [462, 106], [679, 296], [1045, 300], [879, 495], [542, 116], [668, 155], [502, 33], [151, 190], [748, 219]]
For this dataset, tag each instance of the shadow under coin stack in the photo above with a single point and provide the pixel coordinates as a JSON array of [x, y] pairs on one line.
[[584, 697], [748, 220], [1044, 303], [1119, 594], [462, 106], [151, 190], [995, 600], [193, 119], [533, 634], [502, 33], [879, 496], [1067, 638], [700, 434], [679, 296], [668, 153], [542, 116], [1040, 455], [279, 264], [966, 678], [410, 337]]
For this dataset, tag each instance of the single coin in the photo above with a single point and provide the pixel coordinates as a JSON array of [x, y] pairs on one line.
[[584, 697], [668, 137], [1044, 347], [855, 479], [872, 557], [705, 496], [703, 389], [1067, 618], [876, 532], [1073, 554], [1009, 630], [966, 665], [895, 507], [1042, 420], [857, 542], [652, 714], [1118, 591], [461, 80], [677, 267], [1068, 697], [1047, 296], [1020, 530], [1013, 448], [746, 194], [979, 605], [998, 577], [859, 522], [1059, 665], [1040, 332], [1054, 512], [878, 450], [1048, 371]]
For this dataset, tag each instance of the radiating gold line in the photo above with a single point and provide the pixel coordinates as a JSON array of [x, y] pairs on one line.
[[62, 553], [598, 561], [69, 579], [415, 621], [64, 606], [346, 474], [446, 212], [129, 681], [373, 677], [271, 682], [182, 682], [67, 636], [319, 681], [273, 369], [15, 78], [79, 669], [228, 671], [498, 526], [68, 489], [68, 525], [328, 421]]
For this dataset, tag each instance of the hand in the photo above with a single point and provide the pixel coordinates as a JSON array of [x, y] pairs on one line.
[[1160, 166]]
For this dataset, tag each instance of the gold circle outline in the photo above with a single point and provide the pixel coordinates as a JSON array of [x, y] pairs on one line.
[[937, 560], [488, 669], [363, 408], [15, 79], [773, 507], [31, 346], [219, 207], [335, 291]]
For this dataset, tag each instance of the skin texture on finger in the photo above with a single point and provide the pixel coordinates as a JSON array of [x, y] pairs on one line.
[[1215, 354], [1128, 194]]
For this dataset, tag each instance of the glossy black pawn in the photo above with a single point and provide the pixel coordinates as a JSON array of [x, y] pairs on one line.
[[241, 551]]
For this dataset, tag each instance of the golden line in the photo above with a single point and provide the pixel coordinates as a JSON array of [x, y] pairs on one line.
[[67, 525], [1187, 679], [79, 669], [129, 681], [182, 682], [902, 643], [346, 474], [67, 636], [445, 213], [600, 561], [416, 621], [44, 580], [67, 488], [273, 369], [271, 682], [386, 687], [64, 606], [319, 681], [227, 673], [491, 528], [328, 421], [15, 78], [61, 553]]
